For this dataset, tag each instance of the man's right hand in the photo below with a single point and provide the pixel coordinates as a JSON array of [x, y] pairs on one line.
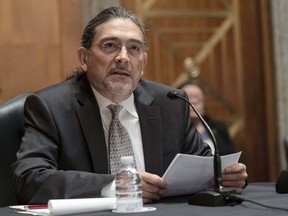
[[153, 187]]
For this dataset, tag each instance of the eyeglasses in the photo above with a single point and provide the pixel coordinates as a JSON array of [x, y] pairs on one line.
[[134, 48]]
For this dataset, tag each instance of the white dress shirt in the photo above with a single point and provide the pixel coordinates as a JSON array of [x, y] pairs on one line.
[[129, 118]]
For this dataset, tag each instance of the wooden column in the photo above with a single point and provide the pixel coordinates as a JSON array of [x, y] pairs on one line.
[[280, 41], [261, 150]]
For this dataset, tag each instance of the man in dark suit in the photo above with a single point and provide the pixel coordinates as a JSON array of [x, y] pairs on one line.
[[64, 150]]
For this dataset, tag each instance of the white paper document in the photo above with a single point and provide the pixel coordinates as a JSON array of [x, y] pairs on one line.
[[189, 174], [69, 206]]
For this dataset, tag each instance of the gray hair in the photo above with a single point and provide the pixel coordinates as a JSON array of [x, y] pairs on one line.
[[89, 32]]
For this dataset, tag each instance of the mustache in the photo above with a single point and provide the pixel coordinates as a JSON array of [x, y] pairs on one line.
[[120, 69]]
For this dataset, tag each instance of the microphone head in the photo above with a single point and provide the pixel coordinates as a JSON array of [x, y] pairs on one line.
[[172, 95]]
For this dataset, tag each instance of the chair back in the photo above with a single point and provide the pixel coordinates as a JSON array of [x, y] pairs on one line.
[[286, 148], [11, 132]]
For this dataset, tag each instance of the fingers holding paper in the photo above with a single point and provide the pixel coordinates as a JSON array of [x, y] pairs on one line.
[[153, 187], [235, 176]]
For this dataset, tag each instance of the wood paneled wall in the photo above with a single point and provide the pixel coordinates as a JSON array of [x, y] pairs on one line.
[[38, 43]]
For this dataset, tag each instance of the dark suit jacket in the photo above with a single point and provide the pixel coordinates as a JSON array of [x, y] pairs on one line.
[[222, 136], [63, 152]]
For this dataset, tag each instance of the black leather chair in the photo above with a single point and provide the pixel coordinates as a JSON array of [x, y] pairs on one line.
[[286, 148], [282, 180], [11, 132]]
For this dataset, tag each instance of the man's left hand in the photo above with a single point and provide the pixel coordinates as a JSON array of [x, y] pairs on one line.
[[235, 176]]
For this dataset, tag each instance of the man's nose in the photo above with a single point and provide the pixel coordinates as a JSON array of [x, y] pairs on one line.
[[123, 53]]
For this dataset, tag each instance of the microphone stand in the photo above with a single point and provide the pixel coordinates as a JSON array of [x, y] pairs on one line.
[[219, 196]]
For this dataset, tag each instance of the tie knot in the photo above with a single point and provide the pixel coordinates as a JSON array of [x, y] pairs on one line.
[[115, 109]]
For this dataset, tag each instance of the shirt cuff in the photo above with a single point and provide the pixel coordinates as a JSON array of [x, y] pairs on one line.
[[109, 190]]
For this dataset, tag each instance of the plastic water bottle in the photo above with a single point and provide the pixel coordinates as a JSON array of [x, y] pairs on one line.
[[128, 187]]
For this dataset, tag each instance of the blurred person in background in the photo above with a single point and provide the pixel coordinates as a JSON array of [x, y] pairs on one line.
[[195, 92]]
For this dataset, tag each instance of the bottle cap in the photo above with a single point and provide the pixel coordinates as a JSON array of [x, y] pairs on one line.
[[127, 159]]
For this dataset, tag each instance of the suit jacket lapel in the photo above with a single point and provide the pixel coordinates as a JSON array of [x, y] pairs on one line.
[[90, 120], [150, 123], [151, 130]]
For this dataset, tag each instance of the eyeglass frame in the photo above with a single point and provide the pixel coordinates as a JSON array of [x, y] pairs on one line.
[[119, 46]]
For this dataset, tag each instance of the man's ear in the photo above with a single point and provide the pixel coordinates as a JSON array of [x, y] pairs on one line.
[[82, 56], [145, 58]]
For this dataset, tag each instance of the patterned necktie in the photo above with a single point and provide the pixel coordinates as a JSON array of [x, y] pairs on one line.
[[119, 140]]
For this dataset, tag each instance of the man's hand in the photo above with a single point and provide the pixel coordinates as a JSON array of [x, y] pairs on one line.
[[153, 187], [235, 176]]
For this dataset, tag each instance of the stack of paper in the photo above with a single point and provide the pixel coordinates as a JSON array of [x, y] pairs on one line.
[[189, 174]]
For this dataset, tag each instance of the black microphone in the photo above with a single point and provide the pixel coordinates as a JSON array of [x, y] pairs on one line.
[[219, 196]]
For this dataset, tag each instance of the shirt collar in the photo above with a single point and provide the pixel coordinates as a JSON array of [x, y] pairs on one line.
[[103, 102]]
